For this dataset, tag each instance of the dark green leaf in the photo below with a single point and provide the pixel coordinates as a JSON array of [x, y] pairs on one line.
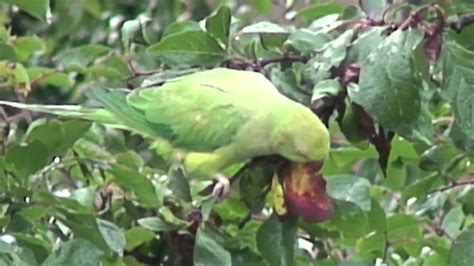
[[136, 236], [38, 8], [196, 48], [276, 241], [388, 88], [28, 158], [139, 184], [218, 24], [158, 225]]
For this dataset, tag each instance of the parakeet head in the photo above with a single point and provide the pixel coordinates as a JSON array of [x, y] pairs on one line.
[[302, 137]]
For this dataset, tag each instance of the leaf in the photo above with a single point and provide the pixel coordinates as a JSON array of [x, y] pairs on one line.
[[50, 77], [75, 252], [92, 6], [349, 188], [179, 184], [196, 48], [320, 10], [81, 57], [135, 31], [388, 88], [286, 82], [136, 236], [334, 53], [453, 222], [38, 8], [157, 224], [139, 184], [405, 231], [112, 235], [307, 41], [40, 247], [27, 158], [276, 241], [324, 88], [207, 251], [27, 46], [464, 107], [181, 27], [461, 251], [271, 35], [218, 24]]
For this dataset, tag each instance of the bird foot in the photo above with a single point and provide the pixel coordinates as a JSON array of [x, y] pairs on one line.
[[221, 188]]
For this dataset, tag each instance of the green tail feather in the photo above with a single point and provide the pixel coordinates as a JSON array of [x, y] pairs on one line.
[[116, 102], [116, 111], [71, 111]]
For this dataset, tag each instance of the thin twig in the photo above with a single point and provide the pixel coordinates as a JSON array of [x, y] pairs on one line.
[[453, 185]]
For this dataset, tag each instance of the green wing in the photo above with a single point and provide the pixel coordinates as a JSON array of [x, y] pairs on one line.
[[198, 112], [191, 114]]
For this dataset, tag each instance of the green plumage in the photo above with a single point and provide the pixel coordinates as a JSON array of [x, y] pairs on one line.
[[218, 117]]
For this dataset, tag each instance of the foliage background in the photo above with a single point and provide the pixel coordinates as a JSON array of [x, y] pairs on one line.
[[395, 89]]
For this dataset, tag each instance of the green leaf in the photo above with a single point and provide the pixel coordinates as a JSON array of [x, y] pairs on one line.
[[92, 6], [81, 57], [75, 252], [349, 188], [196, 48], [271, 35], [135, 31], [276, 241], [157, 224], [453, 222], [38, 8], [179, 184], [10, 255], [334, 53], [405, 232], [50, 76], [136, 236], [464, 107], [27, 158], [324, 88], [181, 27], [286, 82], [39, 246], [320, 10], [139, 184], [461, 251], [388, 88], [218, 24], [207, 251], [112, 235], [26, 46], [307, 41]]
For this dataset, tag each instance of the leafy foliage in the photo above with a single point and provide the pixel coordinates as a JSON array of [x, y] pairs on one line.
[[394, 84]]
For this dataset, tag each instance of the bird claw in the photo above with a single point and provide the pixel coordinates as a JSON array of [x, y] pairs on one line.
[[221, 188]]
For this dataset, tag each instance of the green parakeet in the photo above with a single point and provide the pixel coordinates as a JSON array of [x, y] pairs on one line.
[[217, 117]]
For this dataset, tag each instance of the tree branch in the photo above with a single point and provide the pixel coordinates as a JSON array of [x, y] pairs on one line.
[[453, 185]]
